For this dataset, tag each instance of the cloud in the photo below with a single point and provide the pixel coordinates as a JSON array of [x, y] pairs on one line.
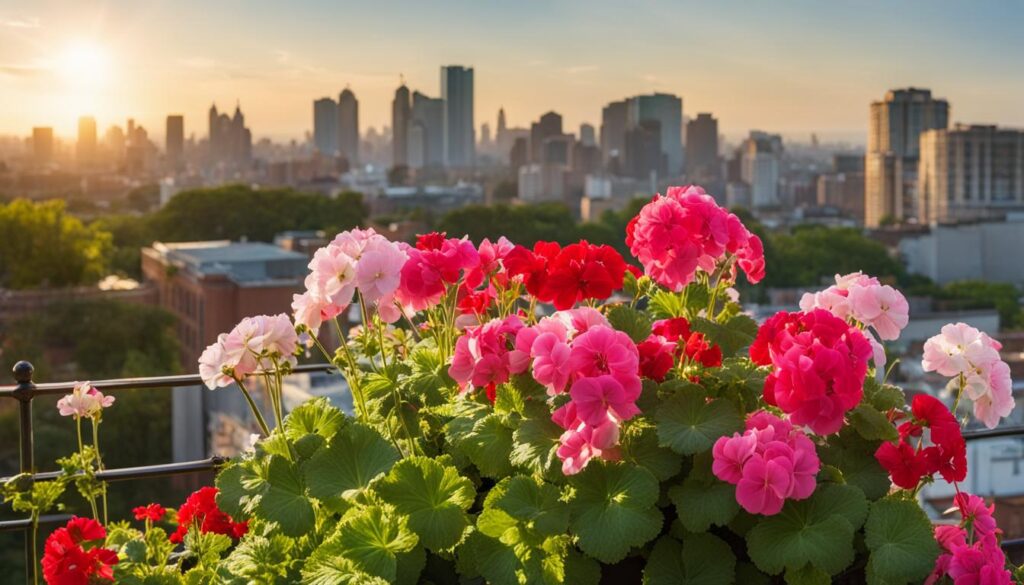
[[20, 22], [24, 70], [578, 69]]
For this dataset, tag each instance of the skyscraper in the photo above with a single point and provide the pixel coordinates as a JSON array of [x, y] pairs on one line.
[[894, 131], [761, 161], [587, 135], [613, 131], [457, 93], [348, 127], [325, 126], [426, 132], [401, 111], [230, 141], [86, 147], [174, 140], [969, 172], [702, 148], [667, 110], [644, 156], [549, 125], [42, 145]]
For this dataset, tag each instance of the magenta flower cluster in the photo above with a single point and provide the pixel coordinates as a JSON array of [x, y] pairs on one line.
[[769, 463], [971, 554]]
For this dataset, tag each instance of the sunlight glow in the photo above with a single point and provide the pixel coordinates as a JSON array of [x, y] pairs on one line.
[[85, 65]]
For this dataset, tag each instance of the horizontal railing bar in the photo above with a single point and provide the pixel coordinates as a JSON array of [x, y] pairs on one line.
[[1010, 431], [26, 523], [143, 472], [141, 383]]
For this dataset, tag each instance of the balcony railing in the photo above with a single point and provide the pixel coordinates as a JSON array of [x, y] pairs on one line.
[[26, 390]]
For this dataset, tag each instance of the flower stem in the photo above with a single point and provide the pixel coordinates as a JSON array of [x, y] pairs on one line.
[[255, 409], [81, 452], [99, 462]]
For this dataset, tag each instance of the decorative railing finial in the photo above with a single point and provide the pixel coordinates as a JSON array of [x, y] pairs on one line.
[[23, 371]]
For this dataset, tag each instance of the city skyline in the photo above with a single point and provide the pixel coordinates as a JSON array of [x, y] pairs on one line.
[[750, 68]]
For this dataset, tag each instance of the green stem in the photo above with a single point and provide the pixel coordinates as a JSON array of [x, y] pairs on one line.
[[353, 378], [959, 392], [81, 451], [99, 462], [255, 409]]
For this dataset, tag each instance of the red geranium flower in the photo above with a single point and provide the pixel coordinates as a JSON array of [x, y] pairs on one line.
[[946, 456], [152, 512], [699, 350], [431, 241], [200, 510], [66, 562]]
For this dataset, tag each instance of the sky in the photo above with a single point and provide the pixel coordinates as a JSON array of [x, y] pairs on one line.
[[789, 66]]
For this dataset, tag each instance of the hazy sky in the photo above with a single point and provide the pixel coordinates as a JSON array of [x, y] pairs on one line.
[[787, 66]]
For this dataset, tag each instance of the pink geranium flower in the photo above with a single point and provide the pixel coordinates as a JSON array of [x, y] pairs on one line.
[[602, 398], [85, 401], [603, 350], [378, 271], [764, 485], [550, 362]]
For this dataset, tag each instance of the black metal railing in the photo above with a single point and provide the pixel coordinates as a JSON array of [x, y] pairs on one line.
[[25, 390]]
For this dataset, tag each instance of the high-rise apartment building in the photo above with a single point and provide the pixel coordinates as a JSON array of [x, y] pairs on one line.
[[613, 131], [85, 149], [702, 162], [230, 141], [760, 167], [894, 130], [969, 172], [549, 125], [325, 126], [348, 127], [174, 140], [401, 113], [667, 110], [587, 135], [42, 145], [426, 132], [459, 133], [644, 156]]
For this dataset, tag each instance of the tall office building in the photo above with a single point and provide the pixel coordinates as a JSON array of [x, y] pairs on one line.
[[667, 110], [42, 145], [760, 167], [457, 93], [894, 131], [549, 125], [230, 141], [613, 131], [969, 172], [174, 140], [401, 113], [426, 132], [325, 126], [644, 157], [702, 162], [587, 135], [348, 127], [85, 149]]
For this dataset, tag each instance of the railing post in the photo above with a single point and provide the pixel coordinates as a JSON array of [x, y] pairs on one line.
[[24, 393]]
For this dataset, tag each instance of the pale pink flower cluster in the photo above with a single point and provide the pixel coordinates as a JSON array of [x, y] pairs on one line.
[[971, 554], [685, 231], [577, 350], [355, 259], [769, 463], [85, 401], [256, 343], [963, 351], [861, 298]]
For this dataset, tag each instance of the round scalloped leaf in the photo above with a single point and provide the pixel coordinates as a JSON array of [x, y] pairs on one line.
[[614, 509], [855, 458], [688, 423], [701, 504], [701, 559], [355, 457], [434, 497], [640, 446], [285, 502], [872, 424], [316, 417], [818, 531], [807, 575], [535, 445], [901, 540], [535, 505], [374, 540], [489, 445]]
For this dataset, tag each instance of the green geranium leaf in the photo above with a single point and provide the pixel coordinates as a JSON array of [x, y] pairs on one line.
[[667, 304], [314, 417], [640, 446], [807, 575], [238, 489], [489, 446], [261, 559], [285, 502], [701, 559], [883, 396], [325, 567], [703, 504], [534, 446], [748, 574], [509, 399], [355, 457], [735, 334], [899, 535], [374, 539], [855, 458], [872, 424], [534, 504], [688, 423], [433, 496], [817, 531], [633, 323], [614, 509]]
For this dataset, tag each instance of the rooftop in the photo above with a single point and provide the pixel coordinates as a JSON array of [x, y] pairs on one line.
[[246, 263]]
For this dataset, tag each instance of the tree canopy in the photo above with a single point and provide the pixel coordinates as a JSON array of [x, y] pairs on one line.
[[44, 245], [812, 253]]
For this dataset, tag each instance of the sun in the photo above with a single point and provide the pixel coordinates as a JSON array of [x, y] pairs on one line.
[[84, 64]]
